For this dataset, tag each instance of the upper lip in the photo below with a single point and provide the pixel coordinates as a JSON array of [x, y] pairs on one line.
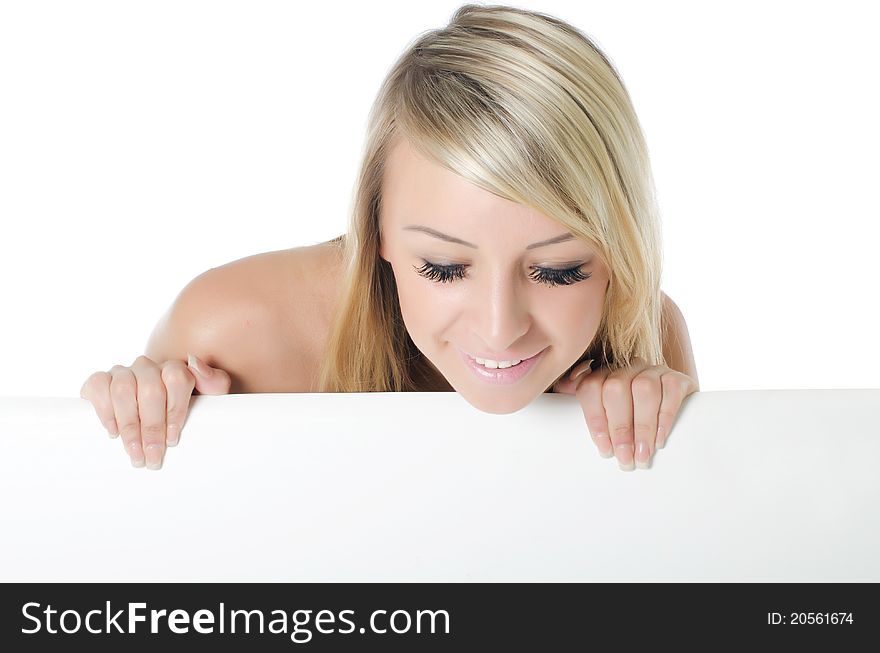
[[505, 357]]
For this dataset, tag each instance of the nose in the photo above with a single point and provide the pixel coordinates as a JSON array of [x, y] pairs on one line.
[[502, 313]]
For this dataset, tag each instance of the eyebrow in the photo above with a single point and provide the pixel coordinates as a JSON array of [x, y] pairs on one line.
[[452, 239]]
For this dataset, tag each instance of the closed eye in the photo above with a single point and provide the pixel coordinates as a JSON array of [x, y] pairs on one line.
[[548, 276]]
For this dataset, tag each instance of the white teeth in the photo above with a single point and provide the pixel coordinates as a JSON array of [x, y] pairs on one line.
[[497, 364]]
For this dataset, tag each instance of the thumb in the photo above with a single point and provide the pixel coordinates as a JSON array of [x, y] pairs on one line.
[[568, 384], [209, 380]]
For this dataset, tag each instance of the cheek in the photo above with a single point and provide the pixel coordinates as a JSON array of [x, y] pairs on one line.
[[412, 303], [575, 321], [427, 308], [418, 304]]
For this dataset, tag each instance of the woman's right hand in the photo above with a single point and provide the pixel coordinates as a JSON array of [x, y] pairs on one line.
[[147, 403]]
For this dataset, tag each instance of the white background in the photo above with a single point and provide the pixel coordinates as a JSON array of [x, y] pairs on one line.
[[142, 143]]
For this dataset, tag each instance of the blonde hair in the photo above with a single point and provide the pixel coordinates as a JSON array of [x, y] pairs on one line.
[[526, 107]]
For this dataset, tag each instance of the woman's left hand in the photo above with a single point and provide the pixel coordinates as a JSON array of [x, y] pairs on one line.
[[630, 410]]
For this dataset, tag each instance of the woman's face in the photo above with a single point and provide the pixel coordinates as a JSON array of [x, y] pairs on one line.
[[493, 304]]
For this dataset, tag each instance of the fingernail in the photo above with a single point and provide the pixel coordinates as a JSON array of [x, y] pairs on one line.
[[661, 438], [194, 363], [137, 463], [173, 435], [643, 456], [154, 456], [580, 369], [624, 454], [603, 443]]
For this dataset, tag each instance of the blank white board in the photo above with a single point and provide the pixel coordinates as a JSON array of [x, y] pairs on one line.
[[768, 485]]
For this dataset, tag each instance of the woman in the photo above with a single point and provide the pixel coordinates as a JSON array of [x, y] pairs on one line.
[[504, 238]]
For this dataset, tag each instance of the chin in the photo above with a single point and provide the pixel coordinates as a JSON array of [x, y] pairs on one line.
[[500, 405]]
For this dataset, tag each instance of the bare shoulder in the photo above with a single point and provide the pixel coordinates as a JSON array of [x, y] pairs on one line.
[[264, 318]]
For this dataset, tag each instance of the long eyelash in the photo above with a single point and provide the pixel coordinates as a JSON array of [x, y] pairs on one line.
[[549, 276], [441, 273], [559, 277]]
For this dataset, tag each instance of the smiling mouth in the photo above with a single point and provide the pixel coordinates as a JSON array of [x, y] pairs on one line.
[[474, 358], [502, 375]]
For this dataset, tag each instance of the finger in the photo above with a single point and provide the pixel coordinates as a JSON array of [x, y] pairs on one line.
[[676, 387], [123, 391], [567, 383], [209, 380], [647, 393], [618, 401], [588, 391], [151, 409], [96, 389], [179, 383]]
